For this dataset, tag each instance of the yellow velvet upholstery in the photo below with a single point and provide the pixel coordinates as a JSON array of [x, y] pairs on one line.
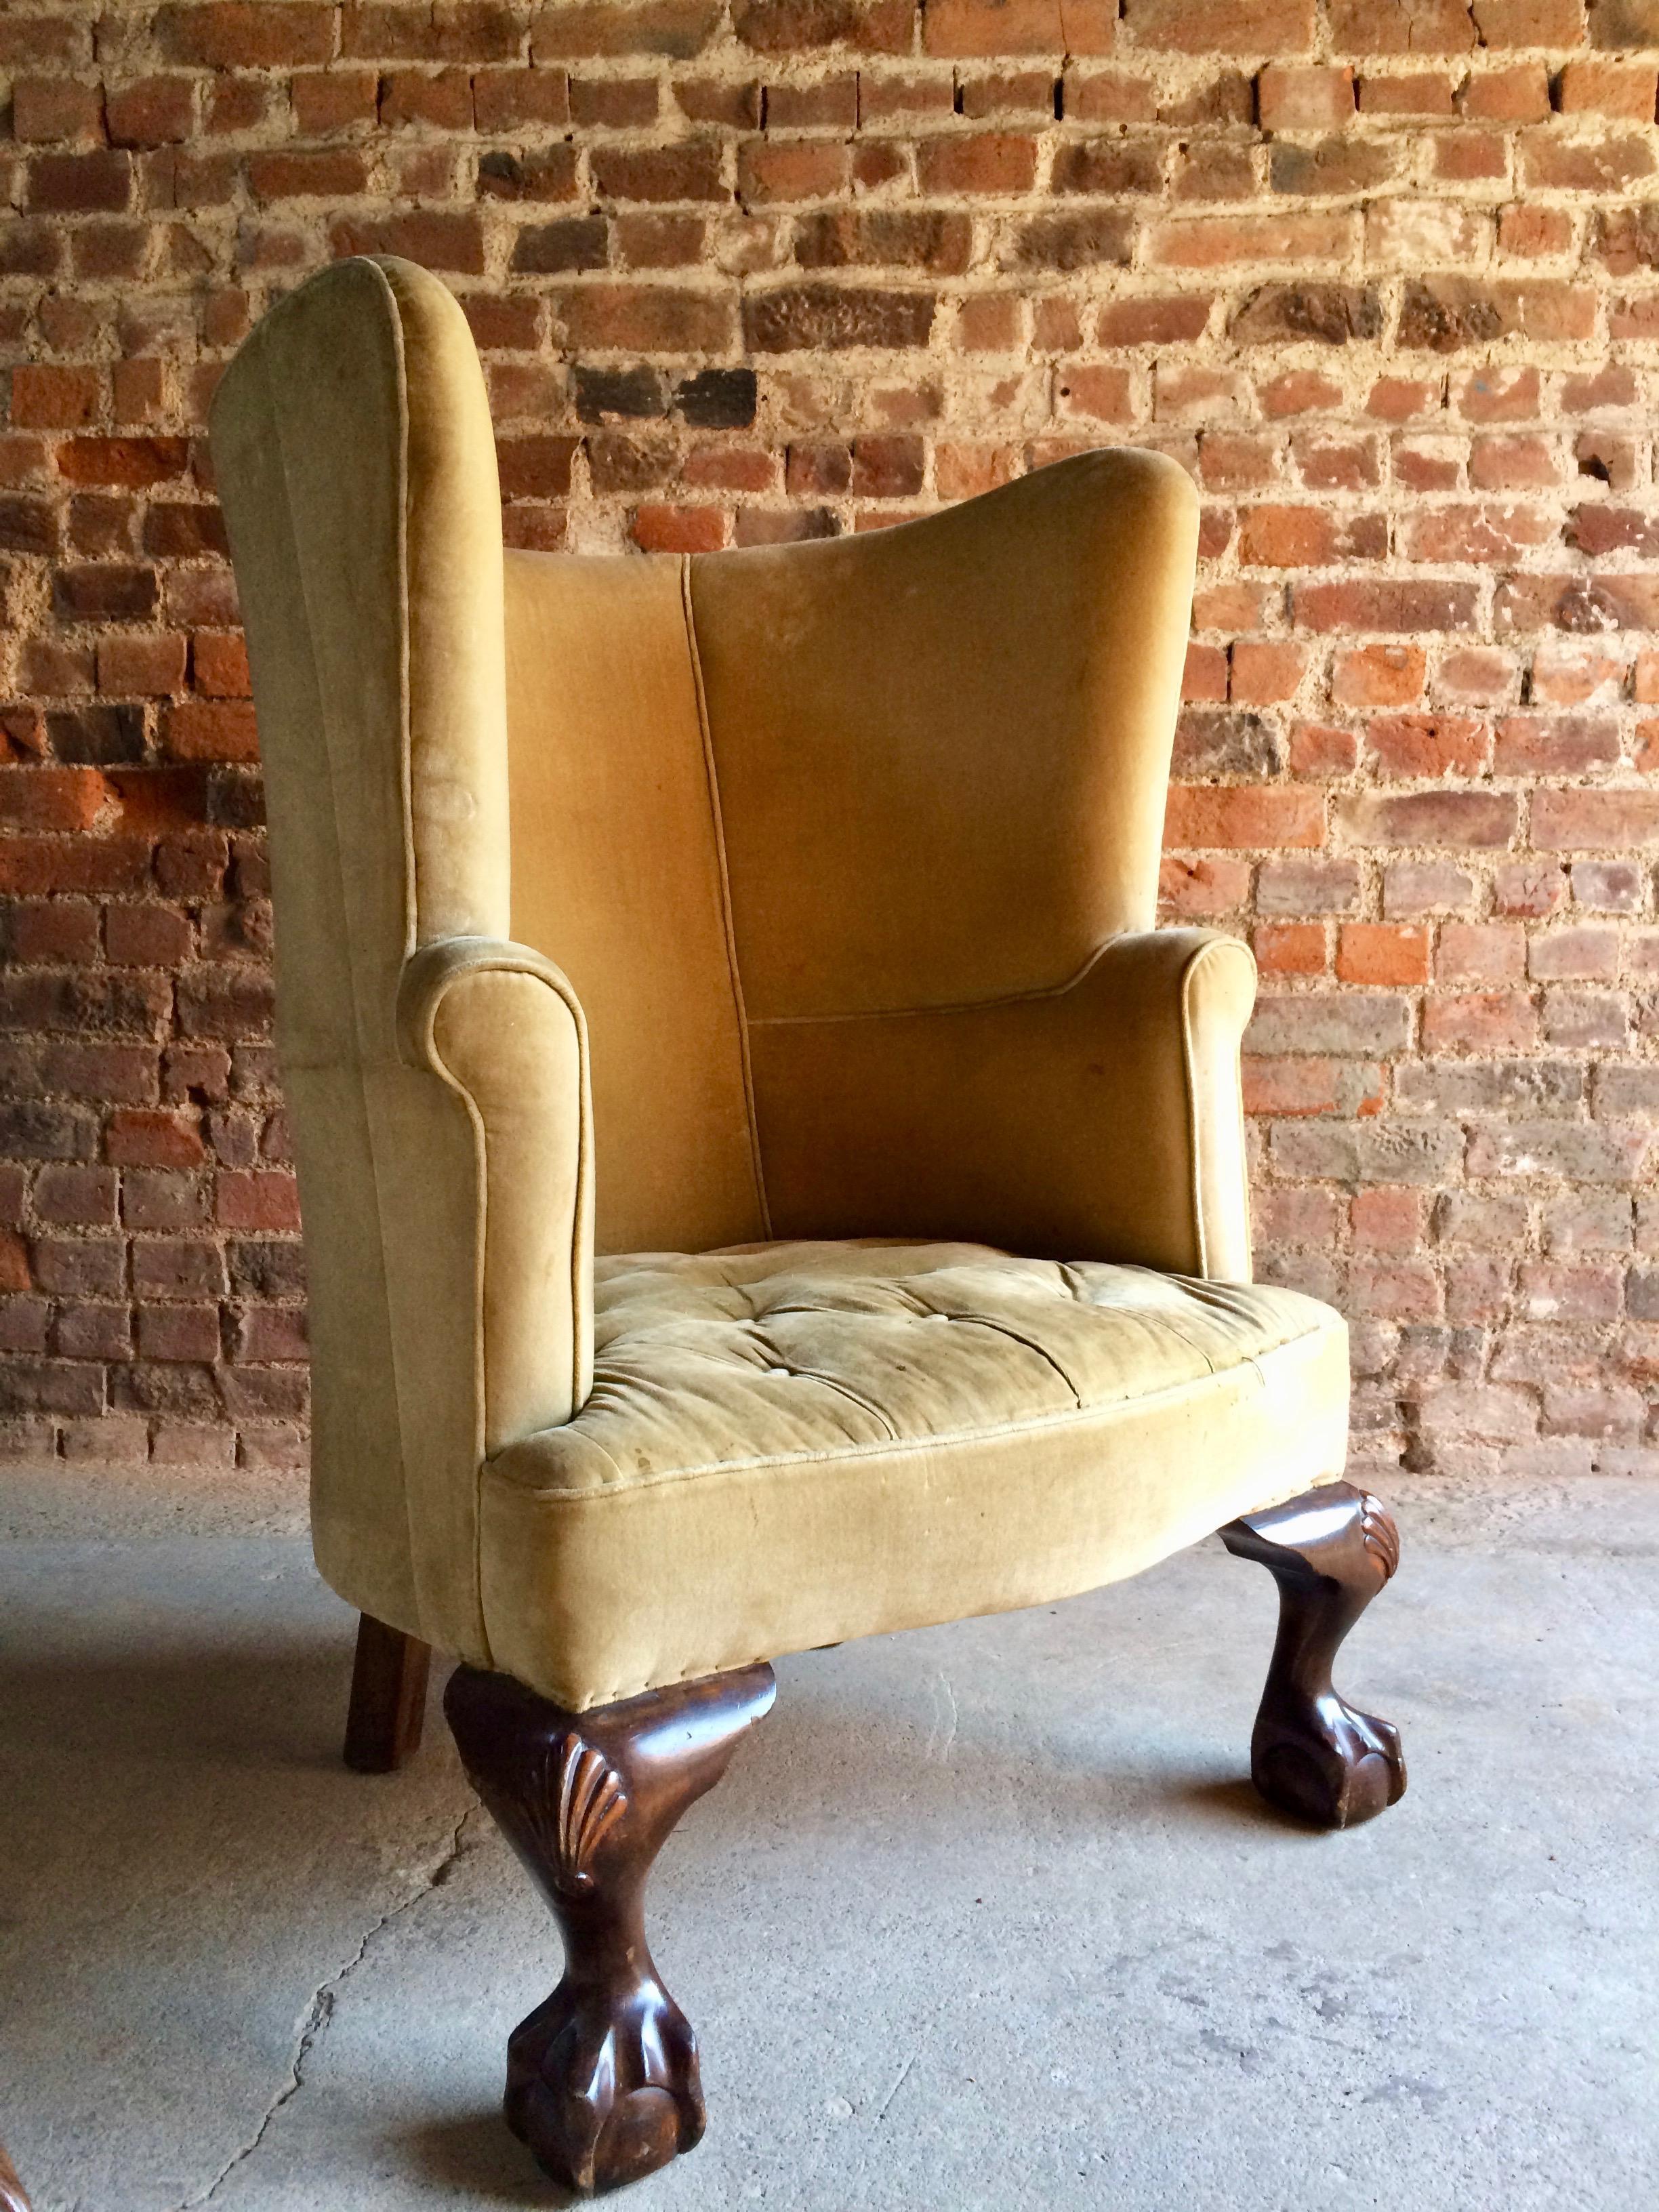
[[800, 901]]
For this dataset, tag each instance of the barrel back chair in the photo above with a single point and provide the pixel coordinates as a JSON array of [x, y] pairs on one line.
[[765, 1180]]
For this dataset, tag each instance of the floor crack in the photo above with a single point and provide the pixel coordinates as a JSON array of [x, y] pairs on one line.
[[320, 2011]]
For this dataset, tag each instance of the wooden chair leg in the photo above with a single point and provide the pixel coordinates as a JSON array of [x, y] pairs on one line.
[[12, 2198], [602, 2079], [1330, 1551], [388, 1698]]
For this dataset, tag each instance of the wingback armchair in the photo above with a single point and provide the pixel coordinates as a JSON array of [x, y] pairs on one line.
[[765, 1179]]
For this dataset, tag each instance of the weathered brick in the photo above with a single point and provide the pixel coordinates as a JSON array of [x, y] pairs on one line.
[[1230, 26], [1242, 815], [813, 317], [960, 28], [243, 34]]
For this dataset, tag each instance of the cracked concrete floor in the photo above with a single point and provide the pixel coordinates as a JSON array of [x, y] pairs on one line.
[[981, 1915]]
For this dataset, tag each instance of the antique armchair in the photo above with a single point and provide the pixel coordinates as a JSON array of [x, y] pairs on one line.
[[776, 924]]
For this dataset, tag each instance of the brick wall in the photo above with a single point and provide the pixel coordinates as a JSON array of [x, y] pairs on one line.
[[1382, 273]]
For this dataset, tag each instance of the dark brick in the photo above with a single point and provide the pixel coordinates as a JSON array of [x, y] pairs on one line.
[[718, 398], [97, 736]]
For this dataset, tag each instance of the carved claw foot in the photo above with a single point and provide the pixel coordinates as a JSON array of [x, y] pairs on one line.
[[602, 2100], [1330, 1551], [602, 2078]]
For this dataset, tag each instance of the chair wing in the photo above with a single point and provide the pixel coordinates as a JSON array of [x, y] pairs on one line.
[[430, 1068]]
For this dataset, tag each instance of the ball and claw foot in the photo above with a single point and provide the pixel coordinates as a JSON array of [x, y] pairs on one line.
[[602, 2079], [601, 2104], [1311, 1754]]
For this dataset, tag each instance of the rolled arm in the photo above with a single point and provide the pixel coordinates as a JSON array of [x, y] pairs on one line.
[[1103, 1121], [503, 1028], [1184, 998]]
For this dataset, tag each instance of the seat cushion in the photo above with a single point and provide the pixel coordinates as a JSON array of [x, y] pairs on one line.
[[791, 1444]]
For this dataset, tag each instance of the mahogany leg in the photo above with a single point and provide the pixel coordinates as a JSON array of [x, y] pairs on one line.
[[12, 2198], [388, 1698], [1330, 1551], [602, 2078]]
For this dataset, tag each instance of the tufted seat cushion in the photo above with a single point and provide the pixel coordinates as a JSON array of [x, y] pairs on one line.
[[789, 1444]]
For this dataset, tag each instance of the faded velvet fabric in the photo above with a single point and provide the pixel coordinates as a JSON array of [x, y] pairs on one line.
[[790, 900]]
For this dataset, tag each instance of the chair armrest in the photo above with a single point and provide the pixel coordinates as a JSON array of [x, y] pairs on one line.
[[1185, 997], [503, 1028], [1101, 1121]]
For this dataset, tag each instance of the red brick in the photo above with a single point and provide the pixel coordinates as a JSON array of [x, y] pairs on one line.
[[45, 398], [1513, 23], [80, 183], [687, 171], [209, 730], [1265, 671], [1480, 952], [153, 111], [337, 100], [52, 798], [246, 35], [1194, 886], [660, 529], [1385, 604], [328, 172], [1519, 94], [1429, 744], [1303, 97], [1256, 817], [822, 316], [148, 1138], [1318, 750], [1310, 537], [1229, 26], [1589, 821], [1481, 1022], [256, 1198], [437, 239], [1378, 675], [55, 109], [1622, 90], [959, 28], [783, 27], [1477, 819], [999, 163], [771, 170], [1383, 952], [1289, 1086], [643, 319], [1289, 948]]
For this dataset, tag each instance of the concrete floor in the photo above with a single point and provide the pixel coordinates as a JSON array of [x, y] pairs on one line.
[[981, 1917]]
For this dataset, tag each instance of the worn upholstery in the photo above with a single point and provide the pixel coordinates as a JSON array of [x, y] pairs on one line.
[[786, 899]]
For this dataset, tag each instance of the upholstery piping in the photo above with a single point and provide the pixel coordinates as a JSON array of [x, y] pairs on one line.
[[1194, 1117], [412, 935], [726, 922], [1189, 1085], [302, 570]]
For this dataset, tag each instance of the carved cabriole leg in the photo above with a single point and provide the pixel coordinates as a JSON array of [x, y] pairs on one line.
[[602, 2079], [388, 1698], [1330, 1551]]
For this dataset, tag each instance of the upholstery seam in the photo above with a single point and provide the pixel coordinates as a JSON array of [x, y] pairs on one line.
[[907, 1446], [1039, 992], [728, 923]]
